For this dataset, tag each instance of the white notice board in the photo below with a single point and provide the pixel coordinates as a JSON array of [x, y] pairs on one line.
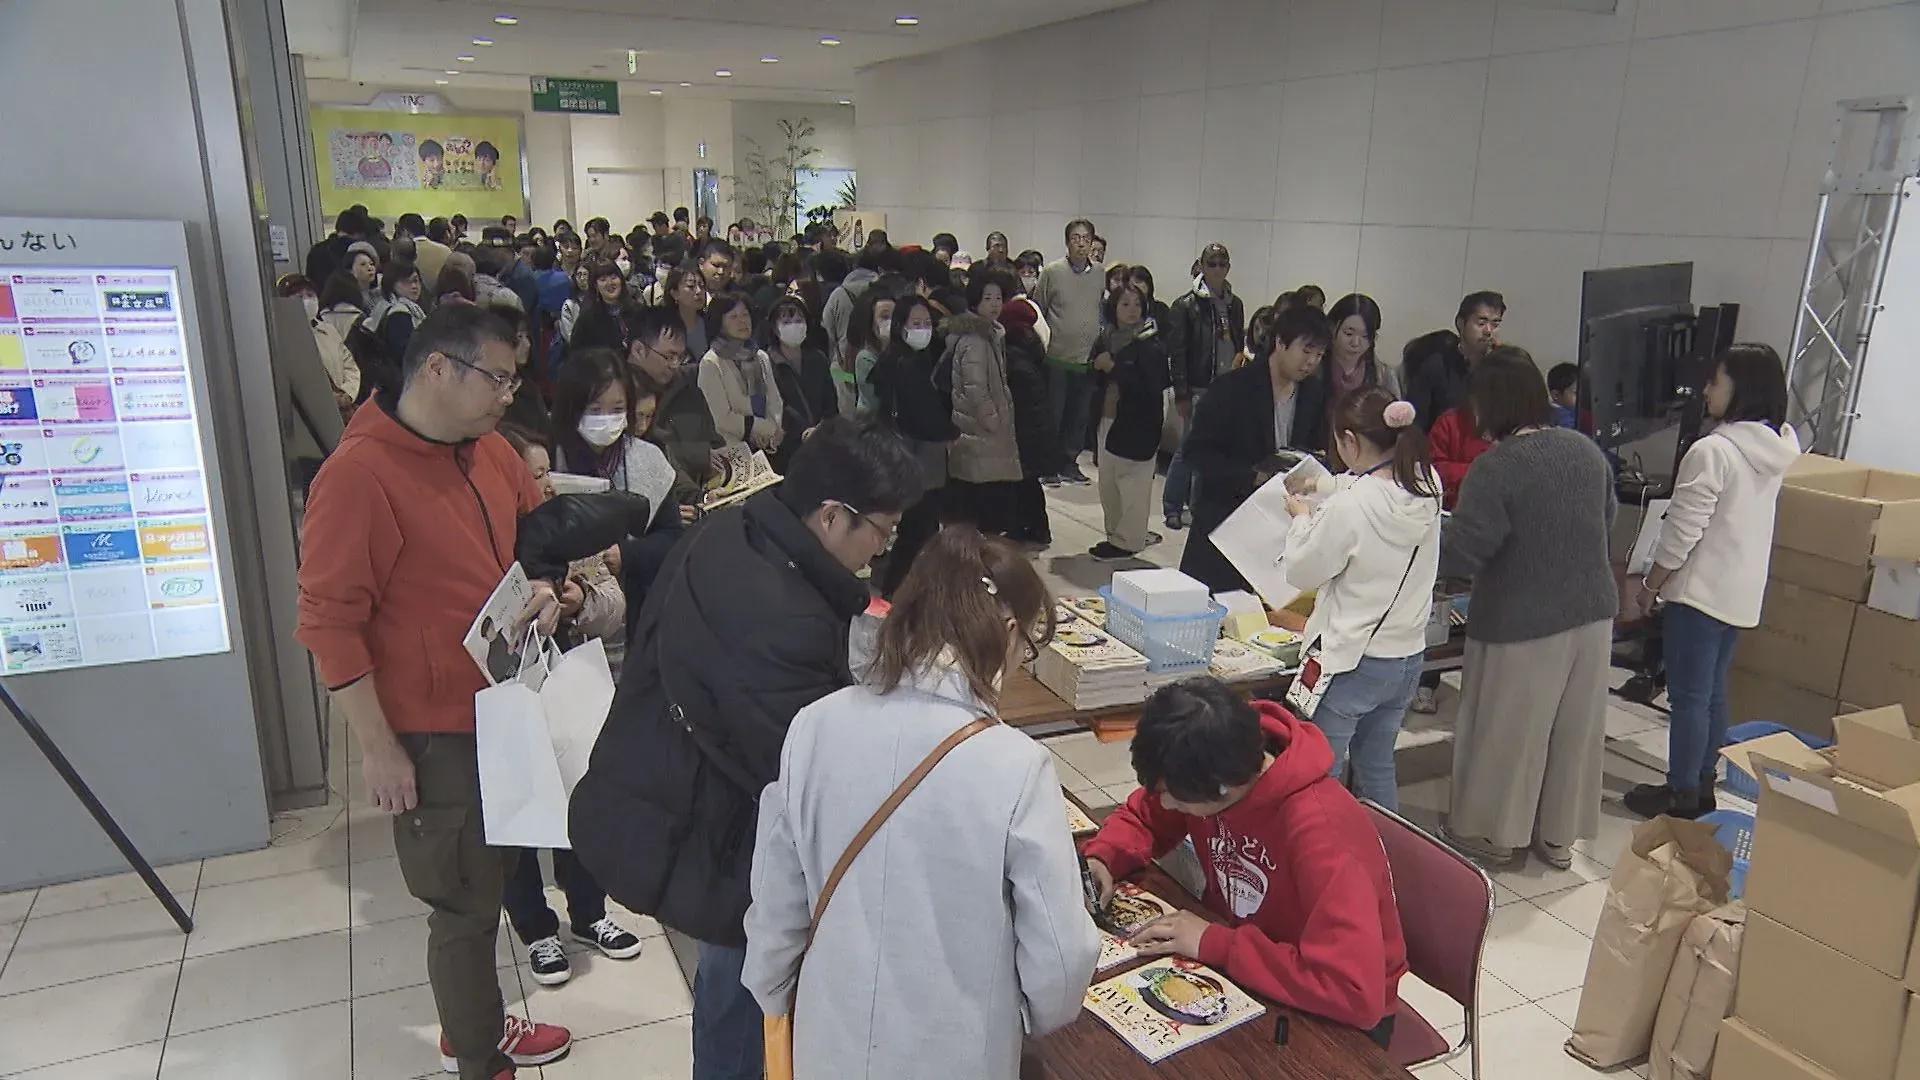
[[108, 508]]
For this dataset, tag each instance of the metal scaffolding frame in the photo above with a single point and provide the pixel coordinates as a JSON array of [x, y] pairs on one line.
[[1875, 148]]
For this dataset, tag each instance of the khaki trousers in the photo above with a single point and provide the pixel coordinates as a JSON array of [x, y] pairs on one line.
[[1530, 739], [1126, 496], [444, 857]]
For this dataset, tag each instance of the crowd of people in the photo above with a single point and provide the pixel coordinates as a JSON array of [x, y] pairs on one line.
[[917, 403]]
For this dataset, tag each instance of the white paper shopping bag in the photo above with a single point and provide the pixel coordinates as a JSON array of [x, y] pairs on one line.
[[575, 697], [522, 798]]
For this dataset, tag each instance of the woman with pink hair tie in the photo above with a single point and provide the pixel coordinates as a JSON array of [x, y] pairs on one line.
[[1371, 550]]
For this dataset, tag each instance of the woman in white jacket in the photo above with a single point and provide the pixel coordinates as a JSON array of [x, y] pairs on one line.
[[962, 926], [1710, 566], [1371, 550]]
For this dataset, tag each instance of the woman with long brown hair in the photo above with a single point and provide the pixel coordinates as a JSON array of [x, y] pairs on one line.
[[975, 868]]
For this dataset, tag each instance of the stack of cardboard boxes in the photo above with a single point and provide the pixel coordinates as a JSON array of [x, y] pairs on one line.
[[1840, 629], [1831, 958]]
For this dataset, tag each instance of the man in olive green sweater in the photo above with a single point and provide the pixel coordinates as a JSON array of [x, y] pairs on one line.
[[1069, 295]]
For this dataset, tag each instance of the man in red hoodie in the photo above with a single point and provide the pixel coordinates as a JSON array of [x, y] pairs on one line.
[[410, 525], [1292, 862]]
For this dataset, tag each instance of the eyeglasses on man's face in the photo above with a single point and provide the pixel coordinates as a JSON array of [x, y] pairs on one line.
[[887, 533], [504, 384]]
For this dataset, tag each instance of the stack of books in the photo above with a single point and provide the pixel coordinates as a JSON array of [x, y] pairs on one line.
[[1088, 668], [1235, 661]]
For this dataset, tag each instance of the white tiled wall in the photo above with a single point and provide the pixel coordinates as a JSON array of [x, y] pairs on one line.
[[1414, 149]]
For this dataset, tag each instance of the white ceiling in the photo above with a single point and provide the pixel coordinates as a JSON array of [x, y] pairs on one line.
[[410, 43]]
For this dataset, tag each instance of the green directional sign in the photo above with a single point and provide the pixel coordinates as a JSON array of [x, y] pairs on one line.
[[597, 96]]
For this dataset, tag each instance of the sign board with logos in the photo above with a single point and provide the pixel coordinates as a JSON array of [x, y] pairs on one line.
[[599, 97], [109, 538]]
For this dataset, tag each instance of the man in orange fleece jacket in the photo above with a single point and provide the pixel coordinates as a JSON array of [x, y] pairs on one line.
[[410, 525], [1292, 861]]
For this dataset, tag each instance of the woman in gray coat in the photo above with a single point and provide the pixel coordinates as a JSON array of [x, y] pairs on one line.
[[984, 463], [962, 926]]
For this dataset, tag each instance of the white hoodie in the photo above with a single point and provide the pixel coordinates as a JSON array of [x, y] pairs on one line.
[[1718, 533], [1357, 549]]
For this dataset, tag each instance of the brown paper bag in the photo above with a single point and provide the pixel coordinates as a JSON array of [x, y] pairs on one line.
[[1699, 994], [1671, 872]]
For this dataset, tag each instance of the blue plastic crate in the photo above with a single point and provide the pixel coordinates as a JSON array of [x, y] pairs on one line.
[[1734, 830], [1169, 642], [1743, 783]]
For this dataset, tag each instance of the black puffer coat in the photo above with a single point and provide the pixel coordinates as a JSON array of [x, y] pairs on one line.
[[1033, 428], [745, 626]]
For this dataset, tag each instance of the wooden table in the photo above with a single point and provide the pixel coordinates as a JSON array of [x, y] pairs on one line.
[[1027, 704], [1316, 1049]]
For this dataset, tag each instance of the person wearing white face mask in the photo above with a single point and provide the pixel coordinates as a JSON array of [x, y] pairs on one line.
[[868, 333], [986, 457], [803, 374], [595, 432], [913, 392], [343, 372]]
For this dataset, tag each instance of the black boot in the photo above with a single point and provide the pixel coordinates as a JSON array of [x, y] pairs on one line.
[[1653, 800]]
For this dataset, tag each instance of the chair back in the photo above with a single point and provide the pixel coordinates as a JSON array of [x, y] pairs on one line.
[[1445, 902]]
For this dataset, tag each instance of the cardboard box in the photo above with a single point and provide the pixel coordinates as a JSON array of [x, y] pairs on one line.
[[1745, 1054], [1896, 588], [1754, 696], [1848, 581], [1802, 638], [1826, 1007], [1162, 592], [1909, 1066], [1836, 843], [1883, 665], [1848, 513]]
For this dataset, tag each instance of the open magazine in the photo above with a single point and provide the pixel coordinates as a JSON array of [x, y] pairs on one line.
[[1254, 536], [743, 472], [1131, 908], [1169, 1005], [491, 640]]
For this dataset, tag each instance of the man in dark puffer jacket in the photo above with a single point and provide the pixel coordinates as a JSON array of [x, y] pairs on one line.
[[745, 626]]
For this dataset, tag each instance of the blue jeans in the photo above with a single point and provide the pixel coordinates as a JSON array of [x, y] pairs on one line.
[[526, 898], [1699, 650], [1070, 396], [728, 1042], [1361, 714], [1178, 493]]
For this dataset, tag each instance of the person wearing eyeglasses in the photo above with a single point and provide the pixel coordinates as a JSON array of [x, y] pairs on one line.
[[1205, 332], [683, 424], [975, 858], [410, 525], [746, 624]]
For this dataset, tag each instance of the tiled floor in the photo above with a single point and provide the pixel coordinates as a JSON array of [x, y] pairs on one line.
[[306, 963]]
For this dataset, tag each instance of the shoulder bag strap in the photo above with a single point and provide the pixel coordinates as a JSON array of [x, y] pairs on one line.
[[1382, 621], [886, 810], [872, 826]]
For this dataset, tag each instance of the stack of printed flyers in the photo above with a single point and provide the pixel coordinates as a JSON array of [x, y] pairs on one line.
[[1078, 823], [1088, 668], [1235, 661], [1163, 1007]]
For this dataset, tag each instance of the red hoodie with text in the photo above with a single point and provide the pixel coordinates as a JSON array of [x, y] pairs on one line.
[[1297, 869]]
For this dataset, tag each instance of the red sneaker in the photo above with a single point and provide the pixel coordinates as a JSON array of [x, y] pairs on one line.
[[524, 1043]]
